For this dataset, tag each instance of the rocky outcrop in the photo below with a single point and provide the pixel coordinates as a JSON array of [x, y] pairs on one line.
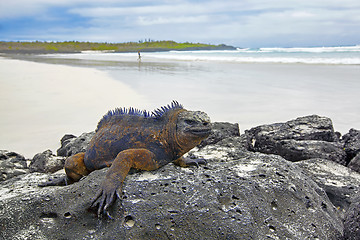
[[340, 183], [247, 190], [311, 127], [299, 139], [237, 195], [46, 162], [11, 165], [354, 163], [71, 145], [220, 131], [352, 143], [352, 220]]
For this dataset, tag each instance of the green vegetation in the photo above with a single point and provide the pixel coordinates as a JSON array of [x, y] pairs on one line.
[[51, 48], [74, 46]]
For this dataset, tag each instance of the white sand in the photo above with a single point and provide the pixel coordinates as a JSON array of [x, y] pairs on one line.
[[35, 96]]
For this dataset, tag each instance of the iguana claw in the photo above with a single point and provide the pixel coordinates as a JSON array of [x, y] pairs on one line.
[[103, 200]]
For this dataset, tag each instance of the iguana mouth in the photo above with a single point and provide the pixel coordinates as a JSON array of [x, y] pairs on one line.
[[201, 131]]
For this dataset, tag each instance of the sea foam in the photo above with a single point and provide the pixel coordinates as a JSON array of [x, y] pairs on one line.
[[349, 55], [346, 55]]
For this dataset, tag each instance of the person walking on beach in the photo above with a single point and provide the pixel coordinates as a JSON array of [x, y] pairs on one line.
[[139, 58]]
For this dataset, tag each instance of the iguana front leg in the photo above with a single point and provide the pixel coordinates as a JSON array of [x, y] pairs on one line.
[[142, 159]]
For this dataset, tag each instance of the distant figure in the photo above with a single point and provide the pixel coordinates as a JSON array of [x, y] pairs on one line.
[[139, 58]]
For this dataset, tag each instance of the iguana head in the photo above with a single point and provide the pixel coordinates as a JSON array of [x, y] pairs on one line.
[[191, 128], [194, 124]]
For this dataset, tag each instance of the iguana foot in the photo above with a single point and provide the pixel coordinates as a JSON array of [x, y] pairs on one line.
[[104, 198], [61, 181]]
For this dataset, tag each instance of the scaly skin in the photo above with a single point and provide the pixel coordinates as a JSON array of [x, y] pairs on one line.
[[128, 139]]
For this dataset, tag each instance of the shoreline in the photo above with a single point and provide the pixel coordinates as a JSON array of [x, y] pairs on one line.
[[41, 102], [69, 95]]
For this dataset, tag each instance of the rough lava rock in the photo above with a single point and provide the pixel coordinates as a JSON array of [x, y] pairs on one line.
[[46, 162], [352, 220], [296, 150], [65, 138], [71, 145], [311, 127], [340, 183], [11, 164], [237, 195], [351, 143], [354, 164], [220, 131], [303, 138]]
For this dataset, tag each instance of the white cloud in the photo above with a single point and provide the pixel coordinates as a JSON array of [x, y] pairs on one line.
[[185, 8], [24, 8], [225, 21], [302, 14], [145, 21]]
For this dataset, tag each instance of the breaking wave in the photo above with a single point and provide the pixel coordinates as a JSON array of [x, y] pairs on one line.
[[346, 55]]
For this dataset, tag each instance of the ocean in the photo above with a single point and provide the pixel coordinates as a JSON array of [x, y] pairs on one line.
[[317, 55], [349, 55], [246, 86]]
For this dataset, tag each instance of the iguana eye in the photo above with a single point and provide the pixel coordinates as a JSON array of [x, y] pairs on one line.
[[190, 122]]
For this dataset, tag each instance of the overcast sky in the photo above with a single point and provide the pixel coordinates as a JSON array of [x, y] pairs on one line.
[[241, 23]]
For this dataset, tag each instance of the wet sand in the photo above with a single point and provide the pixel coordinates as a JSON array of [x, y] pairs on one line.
[[39, 103]]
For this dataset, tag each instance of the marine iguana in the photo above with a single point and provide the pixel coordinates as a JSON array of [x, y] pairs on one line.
[[131, 138]]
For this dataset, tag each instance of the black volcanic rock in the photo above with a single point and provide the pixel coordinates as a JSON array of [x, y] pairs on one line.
[[303, 138], [296, 150], [11, 165], [354, 164], [240, 194], [46, 162], [220, 131], [351, 143], [65, 138], [71, 145], [340, 183], [352, 220], [237, 195]]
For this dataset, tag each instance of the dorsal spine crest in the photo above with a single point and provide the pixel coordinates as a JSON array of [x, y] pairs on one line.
[[156, 114]]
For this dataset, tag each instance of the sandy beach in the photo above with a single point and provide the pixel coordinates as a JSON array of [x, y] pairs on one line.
[[39, 103], [45, 97]]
